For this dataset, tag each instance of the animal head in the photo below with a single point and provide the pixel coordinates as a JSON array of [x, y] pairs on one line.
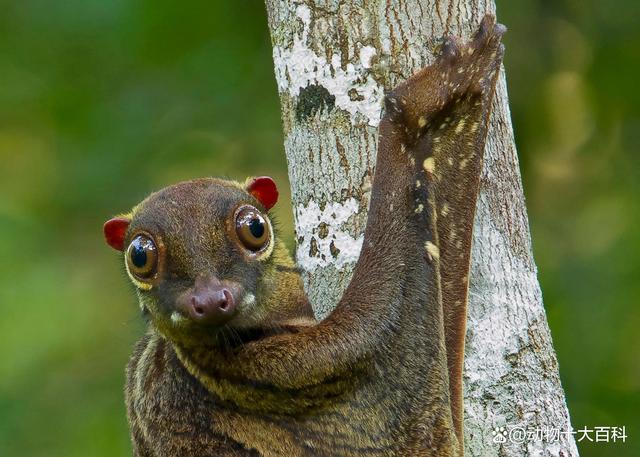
[[203, 256]]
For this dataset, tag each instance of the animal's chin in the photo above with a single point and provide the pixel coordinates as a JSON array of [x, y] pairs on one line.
[[217, 337]]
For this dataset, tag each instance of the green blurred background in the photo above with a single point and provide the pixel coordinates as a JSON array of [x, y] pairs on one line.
[[101, 102]]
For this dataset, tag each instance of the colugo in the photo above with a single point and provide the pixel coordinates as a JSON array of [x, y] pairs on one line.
[[234, 363]]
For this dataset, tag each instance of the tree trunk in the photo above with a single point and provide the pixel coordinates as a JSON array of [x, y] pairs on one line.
[[333, 62]]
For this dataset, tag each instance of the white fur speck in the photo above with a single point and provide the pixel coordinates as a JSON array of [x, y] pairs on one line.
[[248, 300], [429, 164], [432, 250], [177, 318]]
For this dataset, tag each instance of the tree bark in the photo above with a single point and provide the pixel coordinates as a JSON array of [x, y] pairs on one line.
[[334, 60]]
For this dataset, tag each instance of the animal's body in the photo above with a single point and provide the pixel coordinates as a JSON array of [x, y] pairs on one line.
[[234, 363]]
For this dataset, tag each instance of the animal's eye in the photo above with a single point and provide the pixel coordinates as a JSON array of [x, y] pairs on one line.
[[252, 229], [142, 257]]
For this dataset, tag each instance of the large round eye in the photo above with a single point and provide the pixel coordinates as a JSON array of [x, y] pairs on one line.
[[142, 257], [252, 229]]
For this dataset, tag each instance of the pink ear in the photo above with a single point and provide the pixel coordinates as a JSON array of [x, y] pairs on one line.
[[114, 232], [264, 190]]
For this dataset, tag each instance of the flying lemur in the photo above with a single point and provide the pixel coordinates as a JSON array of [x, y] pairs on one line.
[[234, 363]]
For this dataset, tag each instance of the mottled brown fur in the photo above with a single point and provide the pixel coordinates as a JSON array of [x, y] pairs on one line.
[[381, 376]]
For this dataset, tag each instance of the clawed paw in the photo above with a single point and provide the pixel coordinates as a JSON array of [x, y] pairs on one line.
[[472, 66], [463, 71]]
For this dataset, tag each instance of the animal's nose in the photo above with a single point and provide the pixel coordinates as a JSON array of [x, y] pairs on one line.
[[212, 304]]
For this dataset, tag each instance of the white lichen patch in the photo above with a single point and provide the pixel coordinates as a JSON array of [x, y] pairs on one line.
[[298, 66], [366, 54], [323, 236]]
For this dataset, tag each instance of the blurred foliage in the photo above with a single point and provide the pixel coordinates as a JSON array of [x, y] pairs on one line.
[[571, 68], [101, 102]]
